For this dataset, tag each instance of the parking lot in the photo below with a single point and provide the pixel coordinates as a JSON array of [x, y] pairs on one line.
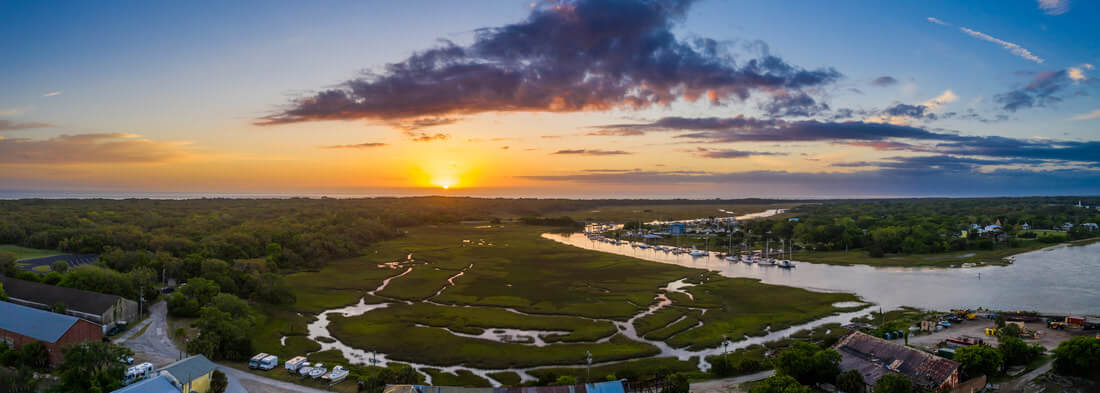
[[976, 328]]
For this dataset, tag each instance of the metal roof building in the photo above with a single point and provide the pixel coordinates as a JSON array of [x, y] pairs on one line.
[[874, 357], [192, 374], [158, 384], [20, 325], [96, 307], [34, 323]]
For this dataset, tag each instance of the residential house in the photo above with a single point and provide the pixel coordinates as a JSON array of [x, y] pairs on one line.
[[20, 325], [1025, 227], [192, 374], [1067, 227], [874, 357], [99, 308], [1090, 226]]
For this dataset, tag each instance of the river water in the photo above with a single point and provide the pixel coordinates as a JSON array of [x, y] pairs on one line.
[[1059, 279]]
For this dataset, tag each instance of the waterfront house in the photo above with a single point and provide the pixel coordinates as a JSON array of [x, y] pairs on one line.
[[874, 357], [1090, 226], [21, 325]]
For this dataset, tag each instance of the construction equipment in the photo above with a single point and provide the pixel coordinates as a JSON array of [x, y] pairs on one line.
[[991, 332], [1056, 325]]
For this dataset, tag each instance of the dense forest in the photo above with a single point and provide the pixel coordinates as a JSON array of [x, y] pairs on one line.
[[917, 226]]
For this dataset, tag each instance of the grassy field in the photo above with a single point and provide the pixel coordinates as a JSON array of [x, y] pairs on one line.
[[739, 307], [551, 285], [460, 378], [22, 253], [947, 259], [507, 378], [667, 212], [630, 369]]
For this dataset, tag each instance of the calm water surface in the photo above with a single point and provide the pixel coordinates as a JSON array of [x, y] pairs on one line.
[[1061, 279]]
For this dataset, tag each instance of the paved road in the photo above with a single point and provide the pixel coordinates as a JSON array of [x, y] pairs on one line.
[[728, 384], [155, 347], [1019, 384]]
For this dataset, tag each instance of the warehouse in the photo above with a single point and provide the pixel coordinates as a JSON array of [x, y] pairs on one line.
[[102, 309], [21, 325]]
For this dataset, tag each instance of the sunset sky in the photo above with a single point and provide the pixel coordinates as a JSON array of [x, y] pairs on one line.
[[585, 98]]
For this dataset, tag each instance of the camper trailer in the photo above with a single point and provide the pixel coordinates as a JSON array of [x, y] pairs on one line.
[[255, 361], [294, 364], [269, 362], [137, 373]]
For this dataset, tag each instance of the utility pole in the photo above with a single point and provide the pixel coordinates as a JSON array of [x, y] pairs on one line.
[[588, 370]]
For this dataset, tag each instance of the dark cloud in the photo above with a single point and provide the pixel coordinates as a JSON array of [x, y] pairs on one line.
[[996, 146], [425, 137], [592, 152], [566, 56], [884, 81], [106, 148], [615, 132], [416, 124], [913, 111], [1045, 88], [937, 163], [8, 125], [880, 136], [747, 129], [730, 153], [793, 105], [366, 145]]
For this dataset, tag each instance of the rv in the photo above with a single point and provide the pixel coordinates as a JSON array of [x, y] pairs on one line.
[[255, 361], [137, 373], [294, 364], [269, 362]]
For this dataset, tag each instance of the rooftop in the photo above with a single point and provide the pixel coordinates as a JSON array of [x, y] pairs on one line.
[[32, 322], [74, 299], [875, 357], [187, 370], [159, 384]]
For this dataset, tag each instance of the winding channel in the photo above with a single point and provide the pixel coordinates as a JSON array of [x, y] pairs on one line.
[[319, 328], [1056, 279]]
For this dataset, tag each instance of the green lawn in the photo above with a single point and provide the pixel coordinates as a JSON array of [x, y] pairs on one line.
[[22, 253]]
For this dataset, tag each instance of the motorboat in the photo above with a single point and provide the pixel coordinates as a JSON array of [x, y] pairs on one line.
[[732, 258], [339, 373], [305, 369], [766, 261], [698, 253], [786, 264], [318, 371]]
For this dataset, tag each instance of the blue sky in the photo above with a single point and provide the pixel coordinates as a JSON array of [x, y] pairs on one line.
[[171, 97]]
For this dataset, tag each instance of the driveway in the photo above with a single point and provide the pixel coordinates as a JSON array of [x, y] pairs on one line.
[[155, 347], [728, 384]]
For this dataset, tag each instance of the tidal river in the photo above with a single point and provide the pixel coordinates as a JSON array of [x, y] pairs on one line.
[[1060, 279]]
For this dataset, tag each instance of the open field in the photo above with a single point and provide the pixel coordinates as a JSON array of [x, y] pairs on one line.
[[625, 213], [22, 253], [472, 279]]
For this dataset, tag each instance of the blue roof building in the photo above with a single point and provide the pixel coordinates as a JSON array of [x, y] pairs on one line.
[[158, 384], [34, 323]]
